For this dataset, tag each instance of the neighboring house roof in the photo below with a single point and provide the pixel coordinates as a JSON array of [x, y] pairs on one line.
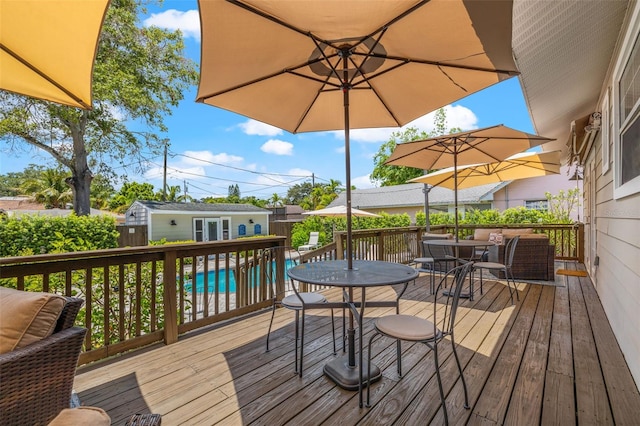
[[20, 206], [563, 50], [293, 209], [59, 212], [19, 203], [186, 208], [411, 194]]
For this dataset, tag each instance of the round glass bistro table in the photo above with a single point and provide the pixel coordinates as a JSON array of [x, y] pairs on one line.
[[344, 371]]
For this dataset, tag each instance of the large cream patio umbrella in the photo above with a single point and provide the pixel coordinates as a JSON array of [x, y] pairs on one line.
[[519, 166], [327, 65], [48, 47], [490, 144]]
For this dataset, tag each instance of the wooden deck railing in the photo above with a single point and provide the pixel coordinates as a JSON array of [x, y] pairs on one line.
[[142, 295], [567, 238]]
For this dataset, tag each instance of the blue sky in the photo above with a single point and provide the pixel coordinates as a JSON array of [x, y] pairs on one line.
[[264, 160]]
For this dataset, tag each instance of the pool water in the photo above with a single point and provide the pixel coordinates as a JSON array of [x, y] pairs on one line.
[[222, 279]]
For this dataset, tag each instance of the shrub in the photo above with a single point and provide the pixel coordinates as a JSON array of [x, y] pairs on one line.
[[43, 234]]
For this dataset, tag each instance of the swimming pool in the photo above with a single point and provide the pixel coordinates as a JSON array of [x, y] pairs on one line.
[[222, 279]]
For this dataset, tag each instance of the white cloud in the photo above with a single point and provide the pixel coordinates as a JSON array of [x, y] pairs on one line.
[[300, 172], [362, 182], [457, 116], [204, 158], [253, 127], [277, 147], [188, 22], [341, 149]]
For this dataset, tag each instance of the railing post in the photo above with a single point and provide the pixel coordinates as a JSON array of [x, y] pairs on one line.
[[340, 247], [170, 298], [580, 245], [381, 249]]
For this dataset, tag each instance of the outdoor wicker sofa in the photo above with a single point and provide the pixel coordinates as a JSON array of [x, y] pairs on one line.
[[534, 256], [36, 380]]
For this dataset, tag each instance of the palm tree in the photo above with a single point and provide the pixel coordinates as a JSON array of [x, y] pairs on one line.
[[49, 188], [276, 200]]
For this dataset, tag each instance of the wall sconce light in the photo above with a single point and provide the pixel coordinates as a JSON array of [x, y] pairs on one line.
[[250, 220], [132, 214], [173, 222]]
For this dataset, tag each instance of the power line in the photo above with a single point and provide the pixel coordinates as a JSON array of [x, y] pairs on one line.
[[238, 168]]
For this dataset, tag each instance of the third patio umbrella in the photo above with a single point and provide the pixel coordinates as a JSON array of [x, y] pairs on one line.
[[47, 48], [327, 65], [340, 211], [490, 144], [519, 166]]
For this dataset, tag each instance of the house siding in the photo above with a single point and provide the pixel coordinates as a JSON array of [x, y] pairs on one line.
[[617, 245], [519, 191], [162, 227]]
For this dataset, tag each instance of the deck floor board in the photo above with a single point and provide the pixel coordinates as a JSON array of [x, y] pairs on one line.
[[551, 358]]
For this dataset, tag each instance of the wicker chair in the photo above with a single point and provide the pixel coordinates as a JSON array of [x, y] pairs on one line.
[[36, 381]]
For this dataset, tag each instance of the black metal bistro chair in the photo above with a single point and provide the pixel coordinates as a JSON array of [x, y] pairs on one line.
[[431, 333], [291, 297]]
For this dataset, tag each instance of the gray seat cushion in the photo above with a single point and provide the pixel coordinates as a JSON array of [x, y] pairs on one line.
[[406, 327], [293, 301], [488, 265]]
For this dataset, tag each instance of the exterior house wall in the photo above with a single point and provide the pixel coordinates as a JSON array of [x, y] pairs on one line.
[[519, 191], [183, 230], [410, 210], [413, 210], [614, 226]]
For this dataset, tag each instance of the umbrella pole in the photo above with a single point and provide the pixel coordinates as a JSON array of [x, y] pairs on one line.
[[347, 156], [455, 192], [426, 190]]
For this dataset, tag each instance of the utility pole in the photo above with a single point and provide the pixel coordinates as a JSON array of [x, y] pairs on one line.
[[185, 190], [313, 185], [164, 178]]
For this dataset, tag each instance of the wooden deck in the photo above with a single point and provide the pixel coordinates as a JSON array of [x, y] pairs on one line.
[[549, 359]]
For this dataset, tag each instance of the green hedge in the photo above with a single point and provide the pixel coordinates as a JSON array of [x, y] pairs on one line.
[[44, 234]]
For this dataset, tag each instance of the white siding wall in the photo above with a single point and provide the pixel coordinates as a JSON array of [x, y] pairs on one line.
[[183, 230], [617, 239]]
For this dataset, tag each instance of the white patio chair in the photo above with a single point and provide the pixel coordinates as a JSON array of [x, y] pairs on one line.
[[312, 243]]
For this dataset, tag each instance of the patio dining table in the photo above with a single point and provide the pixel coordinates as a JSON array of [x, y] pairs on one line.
[[344, 371]]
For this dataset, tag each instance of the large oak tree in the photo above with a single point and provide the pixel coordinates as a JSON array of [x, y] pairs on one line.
[[139, 75]]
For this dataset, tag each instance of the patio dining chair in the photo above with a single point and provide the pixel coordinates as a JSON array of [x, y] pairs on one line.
[[509, 251], [291, 298], [442, 257], [419, 330]]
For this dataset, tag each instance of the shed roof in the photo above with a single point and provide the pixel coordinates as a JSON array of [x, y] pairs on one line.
[[202, 207]]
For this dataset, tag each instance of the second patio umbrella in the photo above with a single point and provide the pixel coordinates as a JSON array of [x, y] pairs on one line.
[[326, 65], [485, 145], [47, 48]]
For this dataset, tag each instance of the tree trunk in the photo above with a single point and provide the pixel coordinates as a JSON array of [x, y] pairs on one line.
[[81, 179]]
